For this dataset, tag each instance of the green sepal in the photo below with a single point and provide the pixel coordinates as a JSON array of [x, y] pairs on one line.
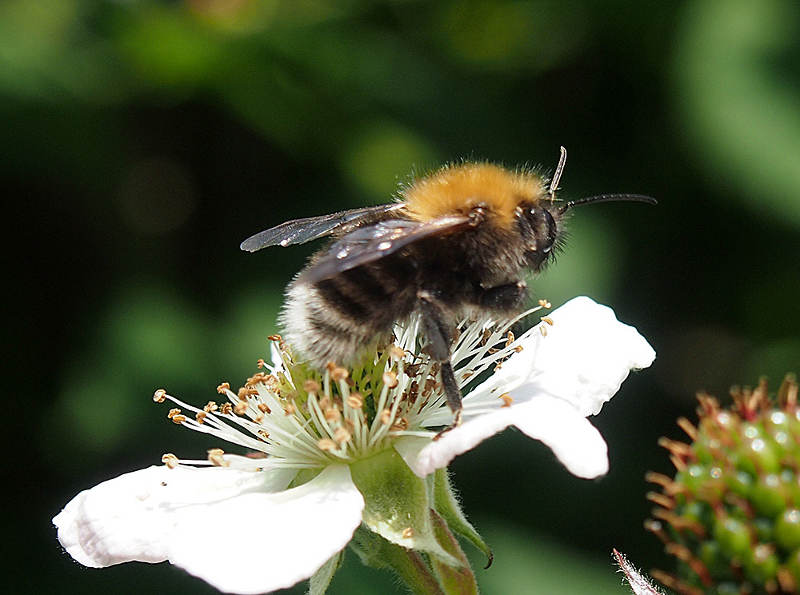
[[303, 476], [318, 584], [397, 506], [454, 580], [446, 504], [408, 565]]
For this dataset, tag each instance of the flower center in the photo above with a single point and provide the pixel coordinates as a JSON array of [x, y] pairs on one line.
[[299, 417]]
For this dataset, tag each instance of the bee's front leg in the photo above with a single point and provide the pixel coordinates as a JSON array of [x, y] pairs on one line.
[[438, 332]]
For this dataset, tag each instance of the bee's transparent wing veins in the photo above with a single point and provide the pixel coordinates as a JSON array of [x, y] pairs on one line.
[[373, 242], [300, 231]]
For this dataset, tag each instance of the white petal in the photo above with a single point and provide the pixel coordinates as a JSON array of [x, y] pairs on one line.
[[555, 381], [261, 542], [585, 357], [424, 456], [575, 441], [131, 517]]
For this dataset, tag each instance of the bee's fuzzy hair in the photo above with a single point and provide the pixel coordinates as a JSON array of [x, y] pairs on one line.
[[457, 188], [317, 333]]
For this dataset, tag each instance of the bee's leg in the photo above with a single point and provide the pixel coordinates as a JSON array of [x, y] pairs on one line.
[[439, 335], [503, 297]]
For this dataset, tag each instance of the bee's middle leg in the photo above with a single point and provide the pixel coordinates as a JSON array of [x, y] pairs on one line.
[[438, 333]]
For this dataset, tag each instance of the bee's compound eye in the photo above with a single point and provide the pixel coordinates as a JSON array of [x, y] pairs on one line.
[[539, 229], [551, 231]]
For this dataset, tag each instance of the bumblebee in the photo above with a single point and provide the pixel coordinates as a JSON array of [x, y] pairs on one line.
[[457, 241]]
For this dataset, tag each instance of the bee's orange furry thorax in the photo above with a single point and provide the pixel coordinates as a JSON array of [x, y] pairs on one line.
[[458, 188]]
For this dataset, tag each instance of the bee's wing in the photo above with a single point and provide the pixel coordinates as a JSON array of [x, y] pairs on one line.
[[300, 231], [373, 242]]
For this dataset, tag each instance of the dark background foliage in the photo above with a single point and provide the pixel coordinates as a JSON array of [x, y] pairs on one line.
[[142, 140]]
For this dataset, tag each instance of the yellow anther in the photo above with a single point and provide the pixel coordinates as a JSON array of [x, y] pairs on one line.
[[548, 320], [386, 417], [226, 408], [400, 425], [518, 348], [216, 457], [173, 412], [275, 338], [178, 419], [326, 444], [355, 400], [225, 386], [408, 533], [259, 418], [160, 395], [390, 379], [338, 373], [396, 353], [311, 386], [264, 434], [256, 378], [261, 363], [289, 409], [170, 460], [543, 330], [332, 414], [545, 304], [210, 407], [264, 408], [341, 435], [509, 338], [507, 399], [200, 416], [240, 408]]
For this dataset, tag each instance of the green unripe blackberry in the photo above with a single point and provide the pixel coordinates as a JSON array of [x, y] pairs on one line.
[[731, 513]]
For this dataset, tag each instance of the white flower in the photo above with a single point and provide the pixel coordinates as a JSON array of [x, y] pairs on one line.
[[327, 450], [568, 367]]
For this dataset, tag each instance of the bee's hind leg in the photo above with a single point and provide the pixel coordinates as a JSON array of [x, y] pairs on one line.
[[438, 333]]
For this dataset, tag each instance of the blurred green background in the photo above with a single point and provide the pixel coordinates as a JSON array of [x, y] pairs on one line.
[[142, 141]]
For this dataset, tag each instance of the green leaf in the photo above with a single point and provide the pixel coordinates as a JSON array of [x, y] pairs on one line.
[[397, 505], [447, 505]]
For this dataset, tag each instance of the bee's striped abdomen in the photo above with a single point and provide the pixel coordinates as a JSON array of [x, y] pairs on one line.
[[333, 320]]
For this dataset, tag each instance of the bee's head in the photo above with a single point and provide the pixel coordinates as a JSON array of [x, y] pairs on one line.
[[541, 225], [540, 229]]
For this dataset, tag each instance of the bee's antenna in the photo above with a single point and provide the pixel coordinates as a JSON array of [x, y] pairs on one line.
[[608, 198], [562, 161]]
